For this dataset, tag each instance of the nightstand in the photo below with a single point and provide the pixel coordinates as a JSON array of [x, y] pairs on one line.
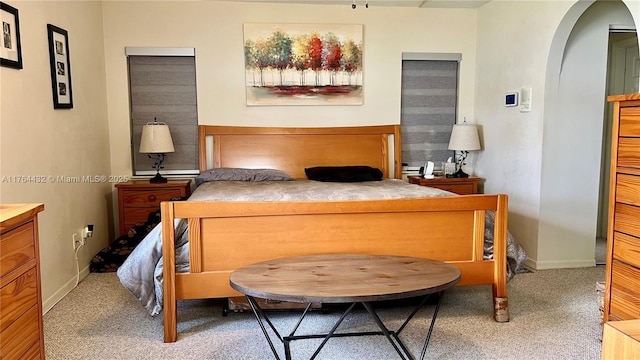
[[461, 186], [136, 199]]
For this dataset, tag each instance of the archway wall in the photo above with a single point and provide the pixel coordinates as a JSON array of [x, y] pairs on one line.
[[572, 136], [539, 157], [511, 54]]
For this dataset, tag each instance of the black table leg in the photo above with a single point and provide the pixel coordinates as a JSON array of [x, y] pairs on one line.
[[433, 321], [333, 330], [257, 311], [392, 336]]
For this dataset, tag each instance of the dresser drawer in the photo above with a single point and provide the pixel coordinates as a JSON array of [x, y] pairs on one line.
[[33, 353], [17, 297], [461, 186], [626, 249], [20, 336], [630, 121], [625, 291], [136, 215], [460, 189], [151, 198], [628, 189], [629, 152], [626, 219], [16, 248]]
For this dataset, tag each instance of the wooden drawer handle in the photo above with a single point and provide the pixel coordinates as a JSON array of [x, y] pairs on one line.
[[151, 198]]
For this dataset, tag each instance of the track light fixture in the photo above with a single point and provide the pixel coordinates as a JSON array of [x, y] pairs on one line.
[[353, 4]]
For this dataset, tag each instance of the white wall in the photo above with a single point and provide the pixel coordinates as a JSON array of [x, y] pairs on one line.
[[539, 157], [513, 43], [214, 29], [36, 140], [572, 140]]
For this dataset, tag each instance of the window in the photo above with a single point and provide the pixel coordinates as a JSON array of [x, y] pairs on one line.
[[429, 100], [162, 86]]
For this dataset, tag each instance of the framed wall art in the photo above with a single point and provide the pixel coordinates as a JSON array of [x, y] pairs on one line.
[[10, 49], [303, 64], [60, 67]]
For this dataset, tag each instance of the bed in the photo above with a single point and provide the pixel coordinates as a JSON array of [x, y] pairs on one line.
[[225, 235]]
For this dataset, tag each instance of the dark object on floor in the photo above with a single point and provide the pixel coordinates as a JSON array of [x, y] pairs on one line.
[[110, 258]]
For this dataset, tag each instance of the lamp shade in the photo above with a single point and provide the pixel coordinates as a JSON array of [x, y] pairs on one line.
[[156, 138], [464, 138]]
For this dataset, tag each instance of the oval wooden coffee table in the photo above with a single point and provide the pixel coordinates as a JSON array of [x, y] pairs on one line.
[[344, 278]]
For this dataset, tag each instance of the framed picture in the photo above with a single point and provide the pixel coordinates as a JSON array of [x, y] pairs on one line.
[[303, 64], [10, 50], [60, 67]]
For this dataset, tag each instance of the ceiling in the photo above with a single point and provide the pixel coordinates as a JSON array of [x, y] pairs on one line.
[[468, 4]]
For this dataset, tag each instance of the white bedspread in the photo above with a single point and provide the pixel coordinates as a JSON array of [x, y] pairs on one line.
[[141, 273]]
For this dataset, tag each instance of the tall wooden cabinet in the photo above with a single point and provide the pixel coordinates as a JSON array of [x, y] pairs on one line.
[[21, 331], [622, 289]]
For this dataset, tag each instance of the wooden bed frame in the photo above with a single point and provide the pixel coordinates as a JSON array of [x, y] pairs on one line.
[[224, 236]]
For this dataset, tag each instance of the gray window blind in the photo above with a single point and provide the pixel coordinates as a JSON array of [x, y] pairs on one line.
[[428, 110], [164, 87]]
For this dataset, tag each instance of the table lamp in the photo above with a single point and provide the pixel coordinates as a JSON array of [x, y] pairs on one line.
[[156, 141], [464, 138]]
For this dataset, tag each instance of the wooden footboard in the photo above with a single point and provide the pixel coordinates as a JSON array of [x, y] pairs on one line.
[[227, 235]]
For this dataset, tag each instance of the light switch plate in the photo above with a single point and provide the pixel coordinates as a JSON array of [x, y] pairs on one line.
[[525, 99]]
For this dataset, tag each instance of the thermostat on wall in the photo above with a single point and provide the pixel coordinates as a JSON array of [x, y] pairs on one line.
[[511, 99]]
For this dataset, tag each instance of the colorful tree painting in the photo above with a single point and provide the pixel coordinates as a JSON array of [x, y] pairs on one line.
[[303, 64]]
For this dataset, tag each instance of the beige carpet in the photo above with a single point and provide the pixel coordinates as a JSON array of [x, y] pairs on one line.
[[554, 315]]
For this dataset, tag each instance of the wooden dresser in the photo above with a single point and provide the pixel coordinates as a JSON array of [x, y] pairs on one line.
[[136, 199], [621, 340], [622, 278], [21, 328], [460, 186]]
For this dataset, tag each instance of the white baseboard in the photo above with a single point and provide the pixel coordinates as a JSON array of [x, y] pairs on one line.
[[63, 291], [559, 264]]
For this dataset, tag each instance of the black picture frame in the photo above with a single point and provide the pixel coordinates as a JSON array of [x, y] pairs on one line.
[[10, 47], [60, 67]]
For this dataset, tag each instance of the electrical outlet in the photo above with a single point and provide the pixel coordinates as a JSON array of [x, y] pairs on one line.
[[87, 232]]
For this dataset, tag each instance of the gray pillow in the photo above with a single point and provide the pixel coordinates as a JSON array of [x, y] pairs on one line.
[[240, 174]]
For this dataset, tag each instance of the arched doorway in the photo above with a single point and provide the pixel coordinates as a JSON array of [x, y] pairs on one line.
[[573, 131]]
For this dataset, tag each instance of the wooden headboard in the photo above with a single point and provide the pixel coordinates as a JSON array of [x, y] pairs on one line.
[[294, 149]]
